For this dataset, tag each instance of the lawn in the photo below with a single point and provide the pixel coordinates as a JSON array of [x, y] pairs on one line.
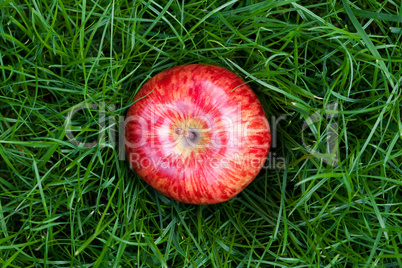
[[328, 75]]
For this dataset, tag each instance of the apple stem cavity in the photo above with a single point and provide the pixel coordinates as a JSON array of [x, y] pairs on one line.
[[192, 137]]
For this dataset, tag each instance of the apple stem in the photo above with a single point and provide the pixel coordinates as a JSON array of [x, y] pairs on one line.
[[189, 134], [179, 131]]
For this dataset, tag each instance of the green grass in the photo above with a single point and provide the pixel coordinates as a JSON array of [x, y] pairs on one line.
[[66, 206]]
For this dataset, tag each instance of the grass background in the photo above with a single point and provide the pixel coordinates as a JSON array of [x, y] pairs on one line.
[[66, 206]]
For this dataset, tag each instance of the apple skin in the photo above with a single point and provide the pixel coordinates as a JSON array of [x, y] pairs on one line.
[[197, 133]]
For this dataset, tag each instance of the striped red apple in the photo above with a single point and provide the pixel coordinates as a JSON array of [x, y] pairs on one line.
[[197, 133]]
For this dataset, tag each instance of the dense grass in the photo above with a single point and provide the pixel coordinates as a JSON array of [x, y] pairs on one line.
[[66, 206]]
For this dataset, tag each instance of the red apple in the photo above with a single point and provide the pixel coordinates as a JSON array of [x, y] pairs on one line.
[[197, 134]]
